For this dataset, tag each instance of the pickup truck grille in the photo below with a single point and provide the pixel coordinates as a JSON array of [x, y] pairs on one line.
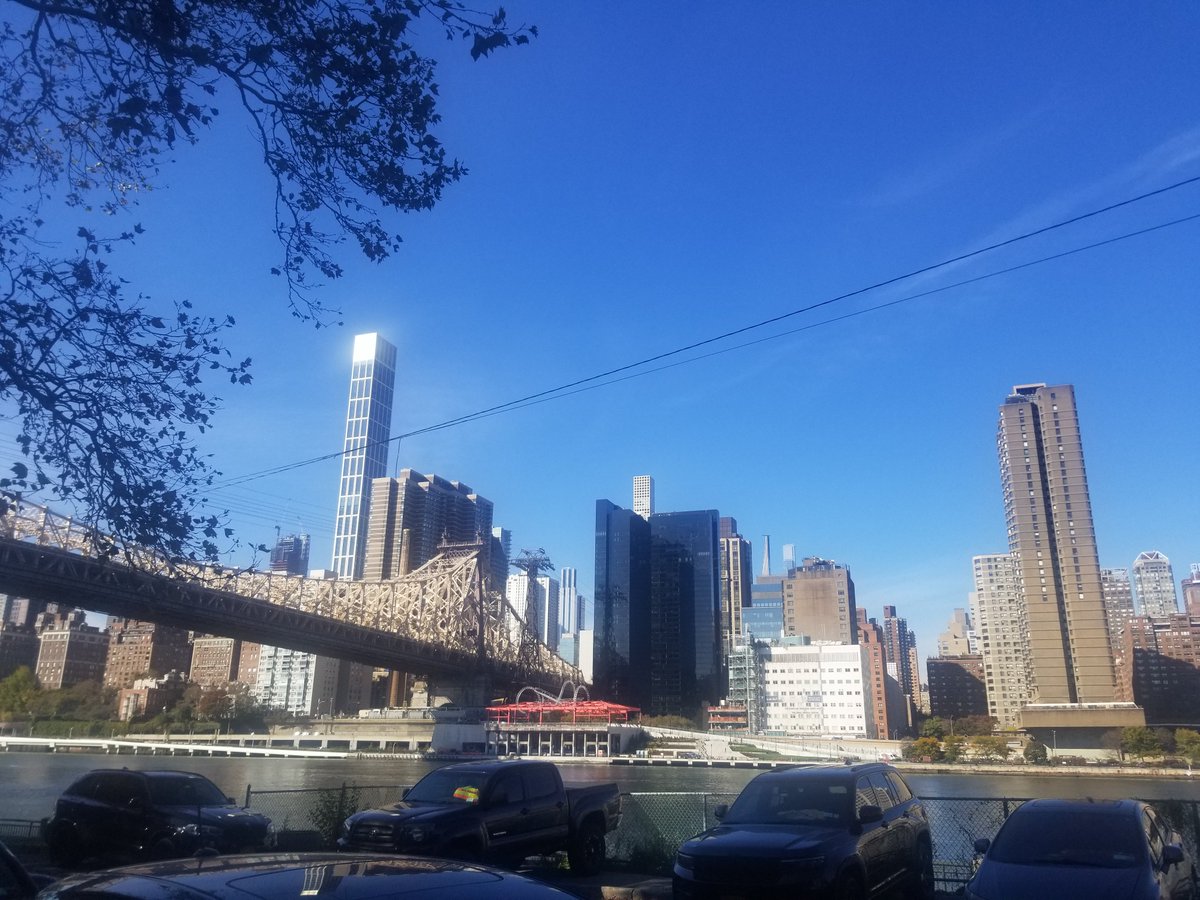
[[734, 871], [365, 834]]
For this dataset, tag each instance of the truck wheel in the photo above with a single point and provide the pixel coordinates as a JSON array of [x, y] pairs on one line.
[[65, 845], [587, 851]]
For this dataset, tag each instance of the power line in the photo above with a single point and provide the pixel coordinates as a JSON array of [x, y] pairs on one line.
[[568, 388]]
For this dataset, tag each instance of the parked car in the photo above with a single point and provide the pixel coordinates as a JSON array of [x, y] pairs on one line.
[[500, 811], [155, 814], [331, 876], [15, 882], [847, 832], [1093, 849]]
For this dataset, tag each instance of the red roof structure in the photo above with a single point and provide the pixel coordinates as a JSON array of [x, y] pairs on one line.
[[592, 712]]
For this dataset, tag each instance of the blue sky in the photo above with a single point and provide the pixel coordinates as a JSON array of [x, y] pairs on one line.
[[647, 175]]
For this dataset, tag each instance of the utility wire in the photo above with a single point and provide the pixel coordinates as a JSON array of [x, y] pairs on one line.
[[567, 389]]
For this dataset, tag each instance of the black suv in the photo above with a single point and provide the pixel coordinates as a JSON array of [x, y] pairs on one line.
[[845, 832], [152, 814]]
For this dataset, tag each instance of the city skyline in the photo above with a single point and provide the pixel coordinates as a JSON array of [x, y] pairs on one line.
[[602, 212]]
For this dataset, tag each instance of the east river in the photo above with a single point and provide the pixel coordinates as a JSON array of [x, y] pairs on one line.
[[30, 782]]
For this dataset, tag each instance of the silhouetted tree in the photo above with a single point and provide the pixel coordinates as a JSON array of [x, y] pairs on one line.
[[111, 395]]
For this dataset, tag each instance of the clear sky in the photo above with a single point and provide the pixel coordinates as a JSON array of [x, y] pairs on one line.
[[643, 176]]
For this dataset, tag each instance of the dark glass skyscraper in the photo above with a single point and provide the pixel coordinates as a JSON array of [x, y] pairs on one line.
[[621, 623], [657, 612], [686, 662]]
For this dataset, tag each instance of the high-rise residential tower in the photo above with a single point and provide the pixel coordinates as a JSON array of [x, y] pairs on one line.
[[364, 455], [1048, 513], [1118, 608], [1000, 626], [410, 517], [1154, 584]]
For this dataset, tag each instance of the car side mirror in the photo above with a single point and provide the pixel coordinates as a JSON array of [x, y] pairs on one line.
[[869, 814], [719, 811], [231, 801], [982, 844], [1172, 855], [404, 793]]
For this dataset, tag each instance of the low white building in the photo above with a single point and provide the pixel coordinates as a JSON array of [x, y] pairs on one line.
[[816, 689]]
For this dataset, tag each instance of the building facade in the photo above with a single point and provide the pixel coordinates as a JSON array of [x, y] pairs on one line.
[[1191, 591], [643, 496], [1000, 625], [365, 449], [958, 639], [621, 643], [816, 689], [736, 581], [686, 663], [956, 688], [1154, 584], [818, 601], [1051, 536], [139, 649], [69, 650], [1160, 668], [412, 515], [1117, 592]]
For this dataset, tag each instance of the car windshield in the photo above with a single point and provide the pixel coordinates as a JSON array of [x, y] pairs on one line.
[[778, 801], [1069, 839], [185, 791], [447, 787]]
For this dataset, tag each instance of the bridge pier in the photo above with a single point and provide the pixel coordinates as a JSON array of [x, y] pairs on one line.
[[464, 690]]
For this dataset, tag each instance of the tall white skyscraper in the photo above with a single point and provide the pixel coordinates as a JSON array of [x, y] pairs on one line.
[[304, 683], [364, 457], [1154, 585], [643, 496], [568, 615], [538, 608]]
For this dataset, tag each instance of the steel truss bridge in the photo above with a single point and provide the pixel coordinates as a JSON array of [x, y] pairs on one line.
[[440, 620]]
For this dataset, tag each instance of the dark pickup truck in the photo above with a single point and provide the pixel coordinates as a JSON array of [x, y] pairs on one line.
[[495, 811]]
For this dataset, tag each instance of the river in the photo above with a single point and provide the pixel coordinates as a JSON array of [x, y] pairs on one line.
[[30, 782]]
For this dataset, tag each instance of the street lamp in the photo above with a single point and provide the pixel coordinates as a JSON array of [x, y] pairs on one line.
[[1054, 740]]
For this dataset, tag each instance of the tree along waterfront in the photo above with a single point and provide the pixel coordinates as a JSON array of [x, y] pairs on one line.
[[32, 781]]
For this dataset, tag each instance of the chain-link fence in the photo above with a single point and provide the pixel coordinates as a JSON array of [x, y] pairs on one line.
[[653, 825], [307, 818]]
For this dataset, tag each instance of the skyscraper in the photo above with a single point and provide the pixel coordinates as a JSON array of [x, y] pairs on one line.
[[1118, 607], [290, 555], [643, 496], [1154, 583], [569, 605], [736, 580], [900, 651], [1048, 513], [1191, 591], [412, 514], [687, 666], [1000, 625], [364, 456], [621, 626], [302, 682]]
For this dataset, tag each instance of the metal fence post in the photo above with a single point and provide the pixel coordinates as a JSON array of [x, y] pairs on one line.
[[704, 814], [1004, 803], [247, 795]]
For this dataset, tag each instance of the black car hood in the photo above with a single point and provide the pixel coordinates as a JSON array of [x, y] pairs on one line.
[[764, 840], [1002, 880], [341, 876], [405, 812], [218, 816]]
